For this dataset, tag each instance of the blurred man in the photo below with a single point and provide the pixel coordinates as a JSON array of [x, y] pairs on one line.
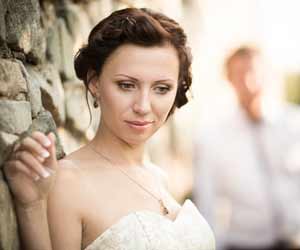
[[247, 174]]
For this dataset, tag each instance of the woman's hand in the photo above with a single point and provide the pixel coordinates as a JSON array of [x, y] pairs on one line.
[[30, 171]]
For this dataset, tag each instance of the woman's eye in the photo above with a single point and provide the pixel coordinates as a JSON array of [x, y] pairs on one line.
[[162, 89], [126, 86]]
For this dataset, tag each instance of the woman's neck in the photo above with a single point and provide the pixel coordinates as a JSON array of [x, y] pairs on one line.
[[118, 151]]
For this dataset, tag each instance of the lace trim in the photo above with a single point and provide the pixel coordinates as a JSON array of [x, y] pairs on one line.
[[145, 231]]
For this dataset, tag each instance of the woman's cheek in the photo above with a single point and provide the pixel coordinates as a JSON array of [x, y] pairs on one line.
[[166, 108]]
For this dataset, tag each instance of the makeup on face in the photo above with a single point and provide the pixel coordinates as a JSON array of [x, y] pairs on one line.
[[137, 89]]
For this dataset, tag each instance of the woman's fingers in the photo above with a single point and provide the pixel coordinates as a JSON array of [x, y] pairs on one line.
[[51, 161], [30, 161], [25, 170], [12, 168], [41, 138], [34, 146], [35, 155]]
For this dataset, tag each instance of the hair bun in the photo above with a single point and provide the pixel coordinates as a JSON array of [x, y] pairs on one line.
[[81, 63]]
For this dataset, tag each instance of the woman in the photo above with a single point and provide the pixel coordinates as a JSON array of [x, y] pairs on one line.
[[105, 195]]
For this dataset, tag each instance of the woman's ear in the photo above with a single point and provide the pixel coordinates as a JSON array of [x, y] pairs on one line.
[[93, 84]]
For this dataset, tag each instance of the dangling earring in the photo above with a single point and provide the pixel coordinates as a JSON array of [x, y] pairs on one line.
[[96, 105]]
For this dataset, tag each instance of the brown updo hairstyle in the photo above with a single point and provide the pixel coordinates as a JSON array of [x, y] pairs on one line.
[[142, 27]]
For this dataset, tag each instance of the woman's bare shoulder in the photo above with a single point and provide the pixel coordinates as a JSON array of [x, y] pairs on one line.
[[67, 179], [65, 210], [67, 174], [73, 162], [80, 171]]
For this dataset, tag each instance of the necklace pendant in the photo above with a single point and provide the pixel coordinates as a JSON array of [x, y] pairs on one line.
[[164, 208]]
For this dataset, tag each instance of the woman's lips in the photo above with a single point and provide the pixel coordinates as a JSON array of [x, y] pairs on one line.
[[139, 125]]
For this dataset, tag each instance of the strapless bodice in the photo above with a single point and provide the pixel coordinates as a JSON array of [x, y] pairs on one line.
[[146, 230]]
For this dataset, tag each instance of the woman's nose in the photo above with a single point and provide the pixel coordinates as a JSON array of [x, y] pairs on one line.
[[142, 104]]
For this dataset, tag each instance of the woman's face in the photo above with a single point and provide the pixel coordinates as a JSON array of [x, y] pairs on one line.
[[136, 90]]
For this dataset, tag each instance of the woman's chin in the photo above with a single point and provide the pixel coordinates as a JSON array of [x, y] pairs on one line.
[[137, 140]]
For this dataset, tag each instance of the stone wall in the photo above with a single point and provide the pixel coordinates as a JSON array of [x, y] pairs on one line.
[[38, 87]]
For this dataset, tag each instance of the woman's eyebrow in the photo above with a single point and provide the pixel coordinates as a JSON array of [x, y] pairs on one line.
[[130, 77], [158, 81], [165, 80]]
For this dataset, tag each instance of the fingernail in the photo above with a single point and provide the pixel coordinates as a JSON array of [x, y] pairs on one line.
[[45, 154], [36, 178], [46, 142], [49, 170], [53, 136], [45, 173]]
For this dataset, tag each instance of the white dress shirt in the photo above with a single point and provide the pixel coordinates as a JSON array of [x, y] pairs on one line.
[[247, 178]]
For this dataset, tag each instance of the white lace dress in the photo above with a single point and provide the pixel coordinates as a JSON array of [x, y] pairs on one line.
[[146, 230]]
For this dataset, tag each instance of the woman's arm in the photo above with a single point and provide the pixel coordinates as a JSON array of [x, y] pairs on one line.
[[33, 226], [65, 208], [30, 174], [55, 223], [46, 194]]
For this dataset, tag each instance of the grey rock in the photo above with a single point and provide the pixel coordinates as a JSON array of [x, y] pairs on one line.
[[44, 122], [98, 9], [12, 81], [69, 142], [3, 9], [48, 13], [79, 24], [53, 46], [76, 18], [15, 116], [52, 92], [60, 49], [35, 96], [19, 55], [71, 16], [66, 45], [77, 110], [4, 50], [76, 107], [6, 142], [23, 29], [9, 239], [51, 30], [66, 35], [34, 93]]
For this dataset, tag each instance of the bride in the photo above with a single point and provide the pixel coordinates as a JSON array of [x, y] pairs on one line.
[[105, 196]]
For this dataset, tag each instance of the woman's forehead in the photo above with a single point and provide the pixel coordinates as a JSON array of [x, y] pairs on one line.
[[133, 59]]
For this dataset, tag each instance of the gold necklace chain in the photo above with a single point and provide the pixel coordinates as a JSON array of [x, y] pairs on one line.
[[164, 208]]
